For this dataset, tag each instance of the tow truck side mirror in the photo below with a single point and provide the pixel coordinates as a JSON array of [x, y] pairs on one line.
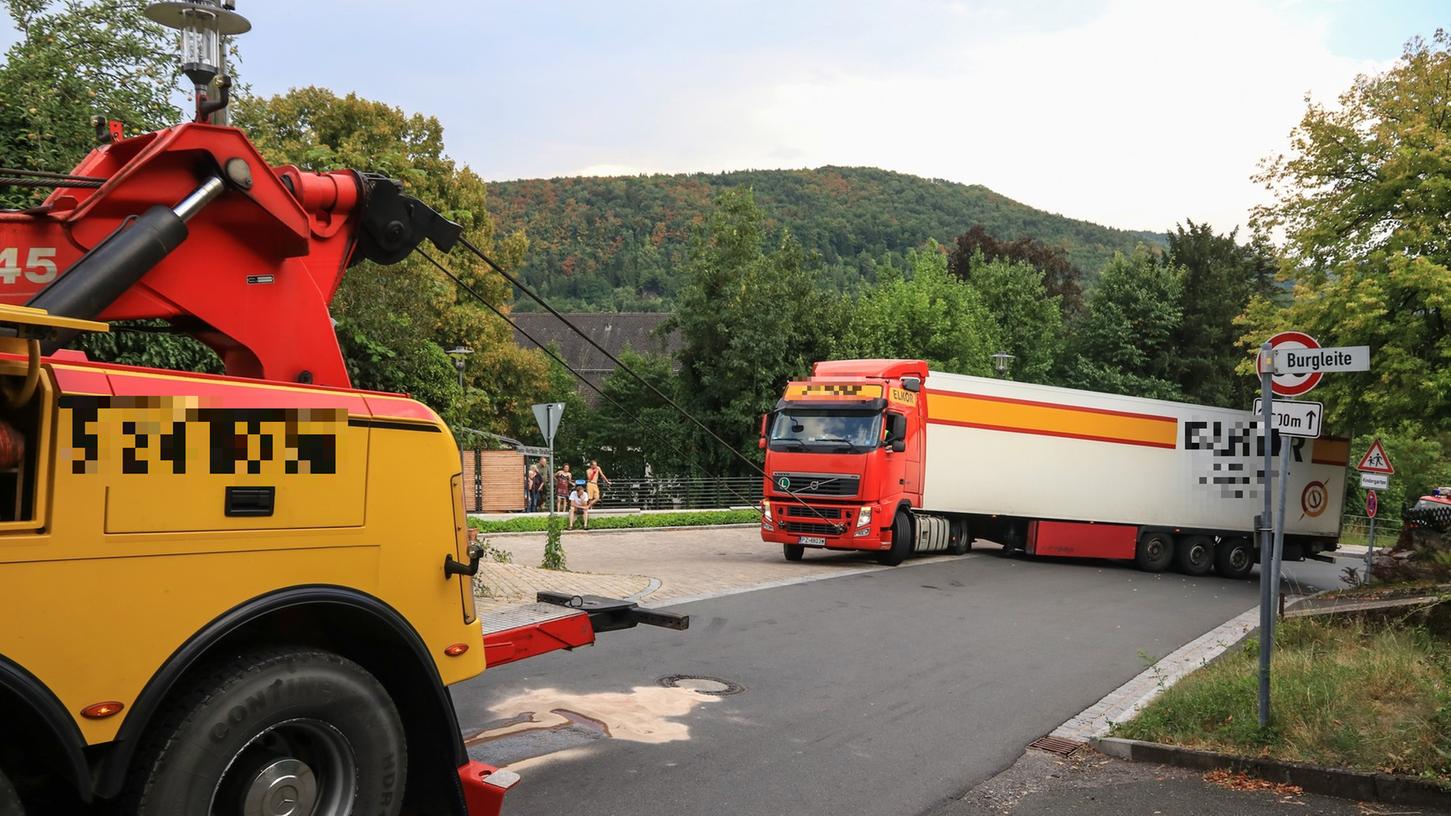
[[761, 442]]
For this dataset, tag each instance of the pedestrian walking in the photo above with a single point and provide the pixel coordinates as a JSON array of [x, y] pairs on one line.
[[579, 502], [593, 475], [531, 494], [563, 479]]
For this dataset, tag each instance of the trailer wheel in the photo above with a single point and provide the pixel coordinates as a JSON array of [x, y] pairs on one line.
[[1155, 552], [793, 552], [10, 804], [1234, 557], [1194, 555], [277, 731], [959, 537], [901, 541]]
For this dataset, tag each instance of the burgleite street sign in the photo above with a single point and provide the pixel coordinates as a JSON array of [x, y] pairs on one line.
[[1310, 361]]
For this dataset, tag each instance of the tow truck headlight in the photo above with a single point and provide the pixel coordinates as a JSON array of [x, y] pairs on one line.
[[864, 518], [766, 511]]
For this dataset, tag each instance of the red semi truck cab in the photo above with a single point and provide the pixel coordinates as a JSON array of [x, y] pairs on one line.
[[843, 455]]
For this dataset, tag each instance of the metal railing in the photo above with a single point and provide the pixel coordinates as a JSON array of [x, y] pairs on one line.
[[667, 493], [1355, 531]]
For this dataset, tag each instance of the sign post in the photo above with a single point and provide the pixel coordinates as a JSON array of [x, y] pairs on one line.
[[1375, 473], [548, 414], [1267, 547], [1290, 364]]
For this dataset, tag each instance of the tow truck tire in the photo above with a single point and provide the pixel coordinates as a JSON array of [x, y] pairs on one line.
[[276, 731], [901, 541], [959, 537], [1155, 552], [10, 804], [1194, 555], [793, 552], [1234, 558]]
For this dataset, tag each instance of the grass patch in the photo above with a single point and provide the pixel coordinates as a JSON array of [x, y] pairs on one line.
[[1347, 692], [537, 524]]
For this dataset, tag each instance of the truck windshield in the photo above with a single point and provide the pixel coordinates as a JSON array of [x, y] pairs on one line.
[[818, 430]]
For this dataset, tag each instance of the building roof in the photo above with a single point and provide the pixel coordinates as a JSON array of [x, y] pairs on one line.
[[615, 331]]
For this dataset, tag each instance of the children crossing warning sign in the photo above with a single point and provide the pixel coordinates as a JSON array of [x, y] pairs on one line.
[[1375, 460]]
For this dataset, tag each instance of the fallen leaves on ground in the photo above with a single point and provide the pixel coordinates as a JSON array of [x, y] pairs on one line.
[[1235, 780]]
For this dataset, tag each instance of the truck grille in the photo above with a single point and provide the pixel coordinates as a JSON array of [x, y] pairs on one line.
[[801, 511], [815, 484], [811, 528]]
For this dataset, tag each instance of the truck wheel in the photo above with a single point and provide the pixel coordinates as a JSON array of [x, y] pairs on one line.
[[1154, 552], [10, 804], [959, 537], [284, 731], [1234, 558], [793, 552], [901, 541], [1194, 555]]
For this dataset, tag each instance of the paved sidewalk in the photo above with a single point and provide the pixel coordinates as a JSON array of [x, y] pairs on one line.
[[684, 563]]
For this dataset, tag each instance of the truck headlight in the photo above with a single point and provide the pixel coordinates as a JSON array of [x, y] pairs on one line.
[[766, 510], [865, 516]]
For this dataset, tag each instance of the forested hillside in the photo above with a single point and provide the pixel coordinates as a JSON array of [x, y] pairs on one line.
[[620, 242]]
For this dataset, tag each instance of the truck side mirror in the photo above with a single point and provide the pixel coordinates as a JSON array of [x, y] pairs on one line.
[[761, 442], [899, 445], [913, 384]]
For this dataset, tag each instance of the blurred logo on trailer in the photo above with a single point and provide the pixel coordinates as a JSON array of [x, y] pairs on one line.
[[1313, 499]]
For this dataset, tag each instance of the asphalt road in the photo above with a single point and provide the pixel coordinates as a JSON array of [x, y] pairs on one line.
[[881, 693]]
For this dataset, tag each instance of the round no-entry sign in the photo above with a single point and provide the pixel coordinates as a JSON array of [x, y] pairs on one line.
[[1371, 503], [1291, 385]]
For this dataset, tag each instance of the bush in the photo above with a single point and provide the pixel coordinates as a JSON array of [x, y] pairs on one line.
[[537, 524]]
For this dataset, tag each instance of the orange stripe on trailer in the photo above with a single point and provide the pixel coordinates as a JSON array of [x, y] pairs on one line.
[[1331, 450], [1051, 419]]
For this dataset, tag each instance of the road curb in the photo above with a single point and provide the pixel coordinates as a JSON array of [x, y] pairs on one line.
[[1124, 702], [606, 530], [1346, 784]]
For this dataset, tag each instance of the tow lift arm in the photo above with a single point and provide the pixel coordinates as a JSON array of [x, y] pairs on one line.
[[558, 620]]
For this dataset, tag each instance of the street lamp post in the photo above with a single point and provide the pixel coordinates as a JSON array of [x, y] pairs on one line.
[[458, 353], [1001, 360]]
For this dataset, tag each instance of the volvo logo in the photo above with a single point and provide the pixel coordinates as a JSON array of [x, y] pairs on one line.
[[814, 486]]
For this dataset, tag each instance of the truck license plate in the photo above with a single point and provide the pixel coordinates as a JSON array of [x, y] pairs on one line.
[[813, 541]]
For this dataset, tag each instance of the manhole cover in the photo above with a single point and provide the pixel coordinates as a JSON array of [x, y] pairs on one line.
[[1056, 745], [700, 684]]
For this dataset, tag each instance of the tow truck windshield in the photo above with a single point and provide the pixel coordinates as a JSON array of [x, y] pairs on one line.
[[834, 431]]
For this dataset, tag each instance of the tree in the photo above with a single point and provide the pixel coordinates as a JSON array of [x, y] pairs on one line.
[[394, 322], [1060, 277], [1362, 200], [923, 313], [632, 427], [73, 61], [750, 320], [1220, 277], [1125, 341], [1028, 320]]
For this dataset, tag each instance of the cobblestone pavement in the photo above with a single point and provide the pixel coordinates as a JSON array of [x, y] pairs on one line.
[[684, 563]]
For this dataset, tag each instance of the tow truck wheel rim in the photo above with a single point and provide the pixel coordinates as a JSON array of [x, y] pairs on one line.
[[298, 767]]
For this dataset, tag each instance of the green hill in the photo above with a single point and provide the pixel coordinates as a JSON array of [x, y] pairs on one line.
[[619, 243]]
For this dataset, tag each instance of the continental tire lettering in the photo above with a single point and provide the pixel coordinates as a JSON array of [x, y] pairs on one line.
[[390, 778]]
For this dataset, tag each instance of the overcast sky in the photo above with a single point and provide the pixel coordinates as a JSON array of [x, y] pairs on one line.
[[1132, 113]]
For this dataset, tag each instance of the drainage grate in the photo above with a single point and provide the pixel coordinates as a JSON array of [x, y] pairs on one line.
[[700, 684], [1056, 745]]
